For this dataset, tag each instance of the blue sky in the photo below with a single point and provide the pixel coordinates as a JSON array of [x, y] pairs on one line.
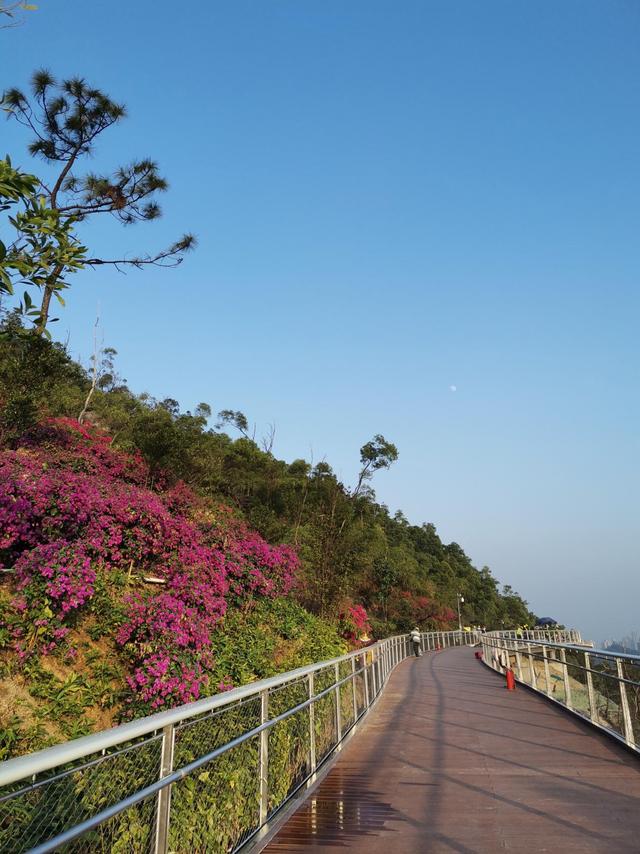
[[391, 199]]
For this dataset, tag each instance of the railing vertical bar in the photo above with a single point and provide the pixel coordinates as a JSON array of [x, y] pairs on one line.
[[534, 681], [353, 690], [312, 730], [567, 684], [366, 681], [626, 715], [593, 709], [374, 684], [338, 710], [264, 758], [547, 678], [163, 813]]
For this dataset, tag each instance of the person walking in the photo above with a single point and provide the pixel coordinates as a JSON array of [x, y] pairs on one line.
[[415, 640]]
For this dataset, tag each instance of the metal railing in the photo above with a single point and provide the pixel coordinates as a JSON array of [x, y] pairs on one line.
[[207, 776], [598, 685]]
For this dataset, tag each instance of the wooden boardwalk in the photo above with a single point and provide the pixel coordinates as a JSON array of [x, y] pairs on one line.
[[451, 761]]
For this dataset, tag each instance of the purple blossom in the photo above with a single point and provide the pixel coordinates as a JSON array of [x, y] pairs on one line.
[[73, 509]]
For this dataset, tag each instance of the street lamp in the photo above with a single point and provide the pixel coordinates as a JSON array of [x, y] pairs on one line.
[[460, 602]]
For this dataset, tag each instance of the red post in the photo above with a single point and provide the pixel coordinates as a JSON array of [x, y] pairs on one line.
[[511, 681]]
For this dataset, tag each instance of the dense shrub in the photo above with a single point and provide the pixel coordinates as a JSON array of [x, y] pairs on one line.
[[73, 509]]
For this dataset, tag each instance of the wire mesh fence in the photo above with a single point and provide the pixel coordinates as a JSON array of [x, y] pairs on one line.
[[600, 686], [203, 777]]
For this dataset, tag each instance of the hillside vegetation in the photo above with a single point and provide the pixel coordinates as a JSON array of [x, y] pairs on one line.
[[150, 559]]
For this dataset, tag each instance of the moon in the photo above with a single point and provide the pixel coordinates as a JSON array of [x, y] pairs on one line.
[[453, 388]]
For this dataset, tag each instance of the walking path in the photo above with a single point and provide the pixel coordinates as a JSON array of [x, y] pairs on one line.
[[450, 761]]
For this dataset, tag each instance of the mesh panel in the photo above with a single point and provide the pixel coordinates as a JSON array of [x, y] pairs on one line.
[[361, 695], [347, 716], [289, 742], [38, 814], [325, 715], [556, 677], [578, 681], [607, 694], [217, 807], [631, 671]]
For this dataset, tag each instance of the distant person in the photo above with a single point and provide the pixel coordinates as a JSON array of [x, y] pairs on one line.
[[415, 640]]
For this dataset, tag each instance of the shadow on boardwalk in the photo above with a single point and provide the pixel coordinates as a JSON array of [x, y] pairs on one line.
[[450, 761]]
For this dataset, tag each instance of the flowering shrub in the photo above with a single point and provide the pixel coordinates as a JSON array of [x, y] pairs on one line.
[[75, 512], [421, 610], [354, 623]]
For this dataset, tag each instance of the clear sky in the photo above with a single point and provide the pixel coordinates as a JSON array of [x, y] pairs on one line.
[[393, 201]]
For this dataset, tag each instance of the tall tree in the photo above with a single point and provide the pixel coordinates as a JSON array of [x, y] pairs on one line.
[[374, 455], [66, 118]]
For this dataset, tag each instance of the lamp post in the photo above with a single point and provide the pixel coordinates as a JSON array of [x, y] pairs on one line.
[[460, 601]]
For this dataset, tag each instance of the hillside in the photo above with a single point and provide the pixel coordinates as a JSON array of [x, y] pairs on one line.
[[149, 560]]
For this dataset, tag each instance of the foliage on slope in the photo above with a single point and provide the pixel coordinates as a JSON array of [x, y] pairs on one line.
[[115, 594], [350, 546], [144, 491]]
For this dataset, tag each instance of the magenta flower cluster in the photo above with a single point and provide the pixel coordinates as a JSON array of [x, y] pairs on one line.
[[354, 623], [73, 510]]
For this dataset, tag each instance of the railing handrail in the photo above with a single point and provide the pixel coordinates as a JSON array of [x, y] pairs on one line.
[[517, 655], [600, 653], [354, 684], [21, 767], [68, 751]]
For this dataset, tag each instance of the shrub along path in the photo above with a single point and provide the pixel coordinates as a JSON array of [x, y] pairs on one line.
[[451, 761]]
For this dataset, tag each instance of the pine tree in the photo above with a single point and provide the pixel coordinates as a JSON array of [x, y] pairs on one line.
[[66, 118]]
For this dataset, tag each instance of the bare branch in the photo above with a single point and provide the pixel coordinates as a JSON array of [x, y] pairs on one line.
[[170, 257], [94, 373], [268, 440]]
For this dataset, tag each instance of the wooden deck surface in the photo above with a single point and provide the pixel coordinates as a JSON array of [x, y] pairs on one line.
[[451, 761]]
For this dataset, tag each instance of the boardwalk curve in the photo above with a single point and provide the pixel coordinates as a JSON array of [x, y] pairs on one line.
[[450, 761]]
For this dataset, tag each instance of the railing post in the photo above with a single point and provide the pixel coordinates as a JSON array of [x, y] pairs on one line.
[[312, 730], [374, 683], [164, 795], [518, 663], [547, 678], [336, 668], [353, 689], [366, 680], [567, 684], [593, 710], [264, 758], [626, 715], [534, 681]]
